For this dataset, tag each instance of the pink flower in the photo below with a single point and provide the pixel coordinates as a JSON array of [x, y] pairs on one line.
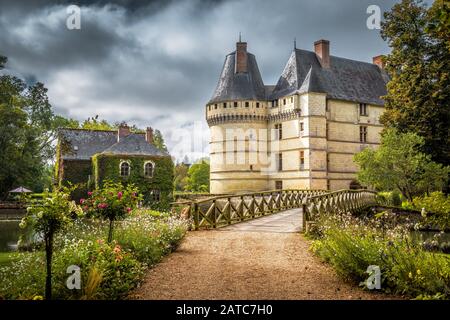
[[102, 205], [100, 241], [128, 209], [119, 195], [90, 193], [82, 201]]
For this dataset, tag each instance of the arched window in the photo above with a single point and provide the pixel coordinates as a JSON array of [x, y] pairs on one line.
[[124, 169], [148, 169]]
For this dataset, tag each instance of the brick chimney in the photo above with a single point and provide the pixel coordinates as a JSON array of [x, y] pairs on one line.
[[322, 49], [149, 135], [378, 60], [241, 57], [124, 130]]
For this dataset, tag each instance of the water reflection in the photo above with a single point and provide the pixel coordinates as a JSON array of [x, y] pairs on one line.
[[9, 235]]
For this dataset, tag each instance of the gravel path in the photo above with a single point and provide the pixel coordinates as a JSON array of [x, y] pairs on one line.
[[254, 263]]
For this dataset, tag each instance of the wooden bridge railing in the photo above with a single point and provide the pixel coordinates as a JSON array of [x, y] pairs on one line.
[[340, 201], [225, 210]]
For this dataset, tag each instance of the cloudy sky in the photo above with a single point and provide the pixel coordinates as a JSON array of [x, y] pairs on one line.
[[156, 63]]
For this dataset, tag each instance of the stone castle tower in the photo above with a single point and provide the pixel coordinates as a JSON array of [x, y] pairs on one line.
[[301, 133]]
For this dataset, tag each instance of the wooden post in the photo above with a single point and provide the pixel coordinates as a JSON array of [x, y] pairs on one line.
[[196, 222], [304, 217]]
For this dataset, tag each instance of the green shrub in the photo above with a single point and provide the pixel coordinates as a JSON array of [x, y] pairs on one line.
[[351, 245], [108, 271], [437, 209], [391, 198]]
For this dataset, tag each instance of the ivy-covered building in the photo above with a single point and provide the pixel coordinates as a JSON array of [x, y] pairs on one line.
[[90, 157]]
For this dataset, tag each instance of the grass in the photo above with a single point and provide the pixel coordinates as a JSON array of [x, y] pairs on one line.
[[6, 258]]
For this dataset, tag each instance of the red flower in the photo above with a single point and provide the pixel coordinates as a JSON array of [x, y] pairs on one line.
[[82, 201], [119, 195], [90, 193], [102, 205], [128, 209]]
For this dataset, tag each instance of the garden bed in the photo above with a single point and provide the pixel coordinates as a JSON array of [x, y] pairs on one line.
[[108, 271]]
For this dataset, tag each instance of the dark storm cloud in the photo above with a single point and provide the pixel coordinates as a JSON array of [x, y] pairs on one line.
[[157, 62]]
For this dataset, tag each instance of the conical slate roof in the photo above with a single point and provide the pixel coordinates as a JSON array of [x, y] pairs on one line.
[[345, 79], [239, 86]]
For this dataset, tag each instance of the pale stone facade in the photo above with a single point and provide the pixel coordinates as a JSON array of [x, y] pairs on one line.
[[300, 134]]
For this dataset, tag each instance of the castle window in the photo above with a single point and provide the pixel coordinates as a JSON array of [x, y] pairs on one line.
[[292, 99], [278, 131], [284, 101], [215, 106], [274, 103], [363, 134], [224, 105], [209, 108], [148, 169], [124, 169], [279, 185], [257, 104], [363, 109], [302, 159], [280, 162], [247, 104], [302, 127], [251, 167], [235, 104]]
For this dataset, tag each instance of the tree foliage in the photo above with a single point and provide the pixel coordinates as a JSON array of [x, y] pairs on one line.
[[27, 131], [48, 218], [198, 176], [418, 94], [399, 165], [181, 176]]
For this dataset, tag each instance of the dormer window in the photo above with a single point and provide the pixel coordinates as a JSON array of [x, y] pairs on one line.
[[124, 169], [235, 104], [148, 169], [224, 105], [257, 104], [247, 104], [215, 106], [284, 101]]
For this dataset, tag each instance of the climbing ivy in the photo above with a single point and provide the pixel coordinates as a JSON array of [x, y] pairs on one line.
[[107, 167]]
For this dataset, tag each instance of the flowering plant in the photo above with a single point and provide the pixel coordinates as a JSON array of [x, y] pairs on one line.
[[111, 202], [47, 218]]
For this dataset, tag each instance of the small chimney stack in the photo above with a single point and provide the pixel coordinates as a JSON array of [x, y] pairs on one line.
[[322, 49], [124, 130], [378, 60], [241, 57], [149, 135]]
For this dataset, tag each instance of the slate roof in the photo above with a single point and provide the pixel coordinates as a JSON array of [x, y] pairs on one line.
[[345, 79], [82, 144], [134, 144], [239, 86]]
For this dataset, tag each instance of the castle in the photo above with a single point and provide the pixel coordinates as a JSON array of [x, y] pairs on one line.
[[301, 133]]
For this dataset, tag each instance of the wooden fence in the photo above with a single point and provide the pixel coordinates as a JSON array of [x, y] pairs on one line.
[[220, 211]]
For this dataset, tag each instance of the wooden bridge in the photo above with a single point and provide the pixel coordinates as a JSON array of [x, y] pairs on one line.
[[222, 211]]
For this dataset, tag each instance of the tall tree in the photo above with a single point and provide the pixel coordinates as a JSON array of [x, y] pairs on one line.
[[198, 176], [158, 140], [399, 165], [418, 96]]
